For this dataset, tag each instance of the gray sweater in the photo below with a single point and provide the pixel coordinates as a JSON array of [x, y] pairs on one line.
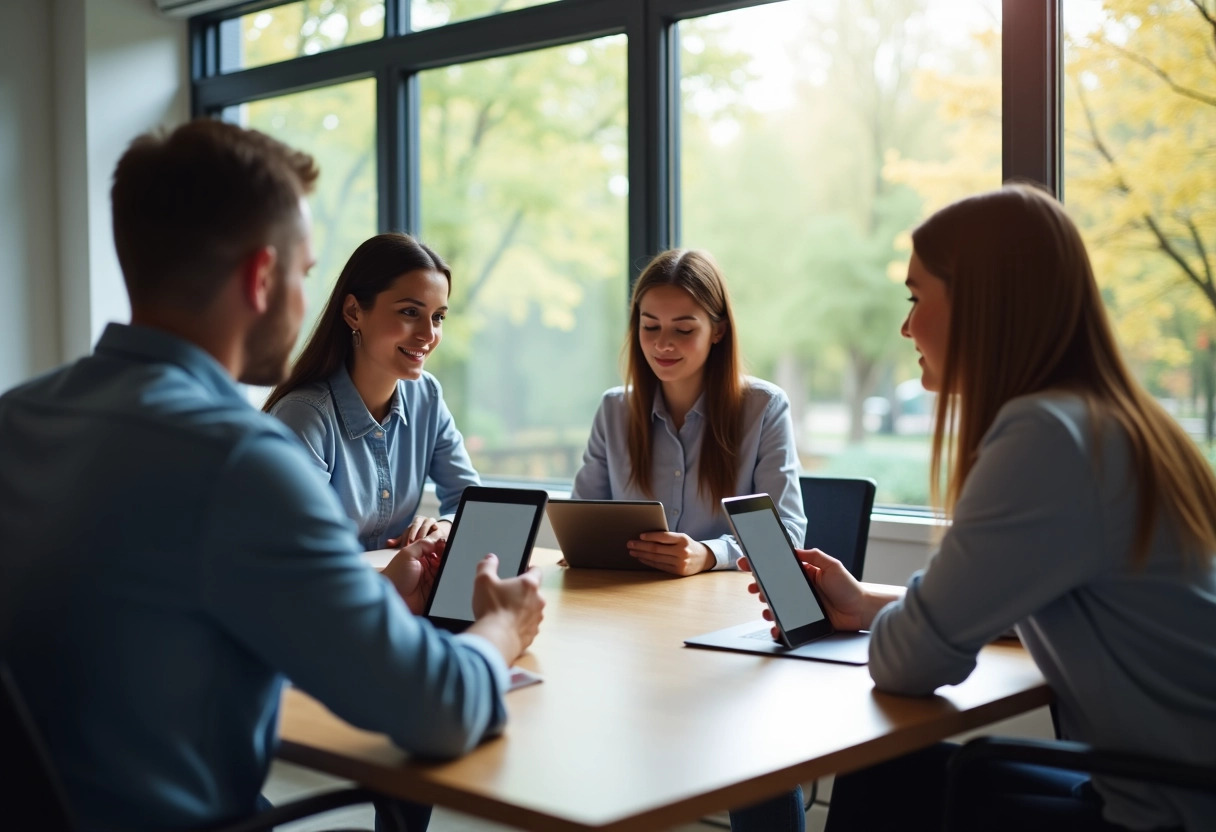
[[1042, 538]]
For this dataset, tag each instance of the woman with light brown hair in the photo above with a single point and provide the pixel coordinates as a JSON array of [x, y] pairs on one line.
[[689, 428], [1082, 515]]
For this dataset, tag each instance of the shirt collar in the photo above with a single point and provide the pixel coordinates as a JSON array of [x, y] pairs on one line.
[[356, 418], [156, 345], [659, 406]]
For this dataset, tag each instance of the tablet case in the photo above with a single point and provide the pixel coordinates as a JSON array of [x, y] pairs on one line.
[[593, 534], [756, 637]]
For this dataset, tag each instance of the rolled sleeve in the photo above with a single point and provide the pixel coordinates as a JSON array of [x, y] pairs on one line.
[[286, 581], [726, 551]]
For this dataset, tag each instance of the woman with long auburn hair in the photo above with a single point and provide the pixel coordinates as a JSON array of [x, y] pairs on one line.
[[1082, 515], [689, 428], [373, 419]]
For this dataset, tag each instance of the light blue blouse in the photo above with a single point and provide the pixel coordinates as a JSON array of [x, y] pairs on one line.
[[768, 464], [379, 469]]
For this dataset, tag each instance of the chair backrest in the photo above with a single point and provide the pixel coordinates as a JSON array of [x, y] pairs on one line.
[[29, 787], [838, 517]]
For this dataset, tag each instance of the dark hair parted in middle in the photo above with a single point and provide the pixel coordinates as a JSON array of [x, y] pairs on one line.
[[372, 269], [697, 274]]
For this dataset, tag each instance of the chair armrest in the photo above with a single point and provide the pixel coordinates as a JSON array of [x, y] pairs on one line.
[[296, 809], [1078, 756]]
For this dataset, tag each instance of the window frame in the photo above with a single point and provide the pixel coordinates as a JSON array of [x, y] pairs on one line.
[[1031, 91]]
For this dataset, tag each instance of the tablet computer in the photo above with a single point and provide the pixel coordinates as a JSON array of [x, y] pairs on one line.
[[792, 598], [594, 534], [499, 520], [806, 632]]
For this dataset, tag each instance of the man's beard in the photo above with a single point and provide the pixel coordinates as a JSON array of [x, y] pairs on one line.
[[268, 345]]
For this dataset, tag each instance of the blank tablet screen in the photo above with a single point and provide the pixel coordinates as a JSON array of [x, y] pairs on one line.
[[501, 528], [763, 539]]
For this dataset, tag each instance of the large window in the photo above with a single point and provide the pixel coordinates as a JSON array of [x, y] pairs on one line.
[[524, 191], [337, 125], [815, 135], [425, 14], [550, 149], [297, 29], [1140, 179]]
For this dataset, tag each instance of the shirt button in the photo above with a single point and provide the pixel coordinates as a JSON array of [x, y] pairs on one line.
[[384, 493], [379, 434], [675, 512], [677, 472]]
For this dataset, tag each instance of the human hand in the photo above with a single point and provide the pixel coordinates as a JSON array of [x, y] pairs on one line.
[[421, 527], [413, 569], [842, 595], [508, 611], [672, 552]]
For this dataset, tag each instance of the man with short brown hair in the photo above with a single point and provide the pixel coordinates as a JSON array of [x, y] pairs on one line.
[[170, 554]]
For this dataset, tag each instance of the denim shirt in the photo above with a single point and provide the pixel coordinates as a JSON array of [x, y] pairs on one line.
[[170, 554], [380, 469], [768, 462]]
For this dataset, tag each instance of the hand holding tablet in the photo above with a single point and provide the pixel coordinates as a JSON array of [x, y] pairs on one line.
[[498, 521], [595, 534]]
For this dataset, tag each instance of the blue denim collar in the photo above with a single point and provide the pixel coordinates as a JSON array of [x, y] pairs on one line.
[[356, 419], [149, 344]]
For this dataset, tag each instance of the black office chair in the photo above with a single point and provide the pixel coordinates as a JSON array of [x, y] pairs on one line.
[[838, 517], [1072, 756], [30, 789]]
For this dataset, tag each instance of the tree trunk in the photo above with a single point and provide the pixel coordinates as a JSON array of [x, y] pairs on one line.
[[858, 385], [789, 376], [1209, 393]]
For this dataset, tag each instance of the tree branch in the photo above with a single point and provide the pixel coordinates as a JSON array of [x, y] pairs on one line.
[[504, 242], [1189, 222], [1163, 242], [1206, 15], [1186, 92]]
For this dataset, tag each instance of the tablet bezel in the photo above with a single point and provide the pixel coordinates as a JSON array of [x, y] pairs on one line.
[[762, 502], [609, 526], [535, 497]]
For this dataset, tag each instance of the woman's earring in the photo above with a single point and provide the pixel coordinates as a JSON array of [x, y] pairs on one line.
[[356, 337]]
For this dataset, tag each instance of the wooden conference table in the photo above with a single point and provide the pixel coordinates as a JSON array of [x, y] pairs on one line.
[[632, 730]]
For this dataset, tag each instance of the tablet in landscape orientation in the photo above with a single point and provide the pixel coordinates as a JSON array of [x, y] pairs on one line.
[[593, 534], [499, 520]]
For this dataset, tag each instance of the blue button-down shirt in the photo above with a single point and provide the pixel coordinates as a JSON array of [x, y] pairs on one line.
[[168, 555], [380, 469], [768, 463]]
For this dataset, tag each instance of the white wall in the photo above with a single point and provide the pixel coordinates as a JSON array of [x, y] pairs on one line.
[[29, 297], [78, 80]]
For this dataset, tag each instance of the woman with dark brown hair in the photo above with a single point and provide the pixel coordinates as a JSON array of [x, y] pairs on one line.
[[374, 421], [689, 428]]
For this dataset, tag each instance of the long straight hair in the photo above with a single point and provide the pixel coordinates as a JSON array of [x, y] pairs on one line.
[[374, 267], [697, 274], [1026, 315]]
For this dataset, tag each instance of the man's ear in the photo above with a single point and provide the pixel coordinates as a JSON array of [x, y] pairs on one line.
[[257, 278], [351, 311]]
